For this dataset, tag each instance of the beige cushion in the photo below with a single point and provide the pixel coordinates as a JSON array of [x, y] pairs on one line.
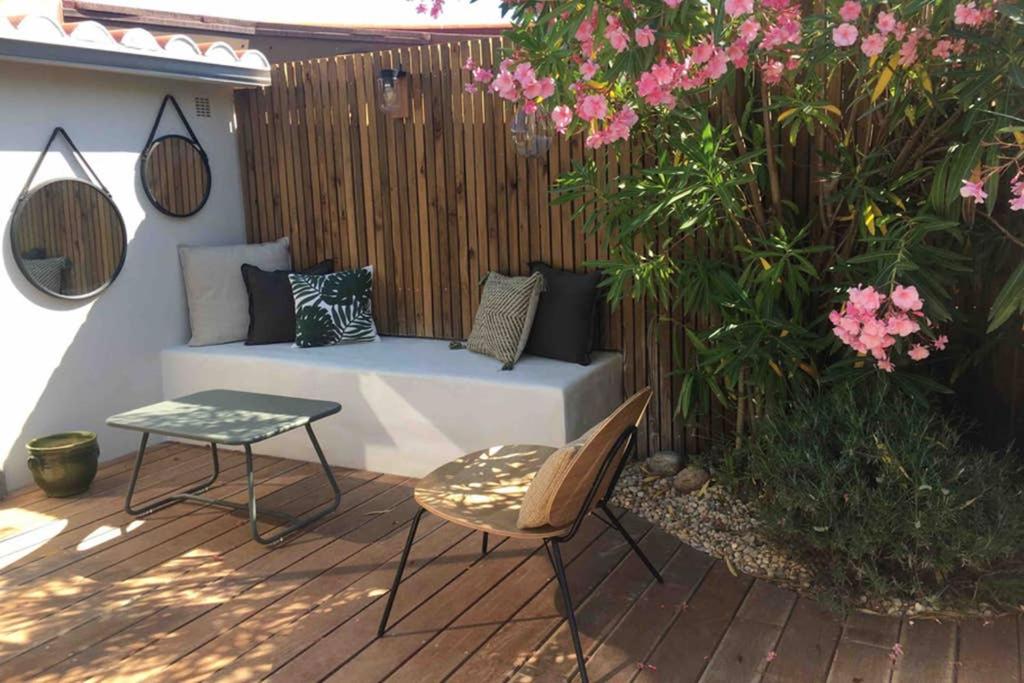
[[218, 305], [504, 317], [536, 506]]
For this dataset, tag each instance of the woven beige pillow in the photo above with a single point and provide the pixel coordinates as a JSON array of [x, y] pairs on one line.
[[536, 507], [536, 504], [504, 317]]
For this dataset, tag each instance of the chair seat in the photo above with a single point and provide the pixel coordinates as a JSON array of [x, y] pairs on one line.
[[484, 490]]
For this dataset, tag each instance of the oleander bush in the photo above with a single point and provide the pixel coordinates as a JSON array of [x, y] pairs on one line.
[[883, 497]]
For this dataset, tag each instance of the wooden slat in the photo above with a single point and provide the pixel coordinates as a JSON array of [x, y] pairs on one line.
[[989, 651], [929, 650], [864, 649], [804, 652]]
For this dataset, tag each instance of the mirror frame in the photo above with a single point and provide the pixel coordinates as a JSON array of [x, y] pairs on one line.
[[206, 166], [19, 209]]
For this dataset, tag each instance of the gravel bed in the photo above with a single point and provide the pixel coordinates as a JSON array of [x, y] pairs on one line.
[[714, 521], [711, 520]]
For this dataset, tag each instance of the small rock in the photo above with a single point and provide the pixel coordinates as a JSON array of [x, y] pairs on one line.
[[690, 479], [664, 463]]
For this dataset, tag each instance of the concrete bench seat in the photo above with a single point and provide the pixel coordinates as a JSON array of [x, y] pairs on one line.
[[408, 405]]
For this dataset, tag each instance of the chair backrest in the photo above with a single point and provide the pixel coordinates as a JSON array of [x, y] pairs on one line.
[[606, 444]]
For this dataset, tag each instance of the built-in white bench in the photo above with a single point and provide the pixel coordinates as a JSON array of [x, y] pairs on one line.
[[408, 405]]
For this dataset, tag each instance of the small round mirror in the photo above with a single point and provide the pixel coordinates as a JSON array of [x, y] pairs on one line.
[[68, 238], [176, 175]]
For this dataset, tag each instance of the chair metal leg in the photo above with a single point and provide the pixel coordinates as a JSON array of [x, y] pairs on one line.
[[614, 521], [483, 545], [555, 555], [398, 573], [154, 505]]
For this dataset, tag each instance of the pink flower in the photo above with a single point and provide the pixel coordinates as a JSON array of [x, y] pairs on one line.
[[850, 10], [482, 75], [470, 87], [918, 352], [886, 23], [906, 298], [469, 65], [541, 89], [772, 71], [592, 107], [615, 34], [673, 3], [505, 85], [735, 8], [524, 74], [1017, 203], [844, 35], [749, 29], [738, 53], [901, 325], [664, 72], [886, 365], [644, 36], [940, 342], [588, 69], [562, 117], [529, 107], [717, 65], [866, 298], [943, 49], [968, 15], [873, 45], [973, 189], [703, 51]]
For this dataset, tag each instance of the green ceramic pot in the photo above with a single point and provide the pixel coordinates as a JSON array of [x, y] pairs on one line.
[[64, 464]]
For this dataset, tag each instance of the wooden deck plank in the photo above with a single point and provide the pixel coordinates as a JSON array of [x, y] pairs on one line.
[[188, 596], [743, 653], [989, 651], [284, 647], [700, 625], [599, 613], [450, 646], [118, 599], [382, 656], [241, 628], [929, 650], [78, 524], [634, 638], [254, 574], [518, 638], [863, 653], [804, 652]]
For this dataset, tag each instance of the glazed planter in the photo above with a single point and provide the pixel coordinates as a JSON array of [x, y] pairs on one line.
[[64, 464]]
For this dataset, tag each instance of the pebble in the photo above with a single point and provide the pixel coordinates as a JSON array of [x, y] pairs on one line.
[[664, 463]]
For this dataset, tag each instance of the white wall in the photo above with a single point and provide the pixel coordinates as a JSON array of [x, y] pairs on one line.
[[69, 365]]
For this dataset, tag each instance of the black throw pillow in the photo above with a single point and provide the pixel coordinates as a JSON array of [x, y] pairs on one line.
[[566, 320], [271, 305]]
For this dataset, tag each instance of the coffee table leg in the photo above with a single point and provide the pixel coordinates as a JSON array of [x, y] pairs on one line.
[[155, 505], [296, 523]]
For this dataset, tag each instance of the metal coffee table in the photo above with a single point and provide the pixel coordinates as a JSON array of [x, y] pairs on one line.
[[230, 418]]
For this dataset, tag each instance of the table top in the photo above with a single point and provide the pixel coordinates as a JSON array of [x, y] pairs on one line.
[[225, 416]]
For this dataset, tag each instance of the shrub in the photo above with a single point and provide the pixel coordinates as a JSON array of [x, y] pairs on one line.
[[880, 495]]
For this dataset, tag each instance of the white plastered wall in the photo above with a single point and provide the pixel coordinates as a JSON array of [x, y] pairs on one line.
[[69, 365]]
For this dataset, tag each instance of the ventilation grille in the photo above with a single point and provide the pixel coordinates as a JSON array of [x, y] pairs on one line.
[[203, 107]]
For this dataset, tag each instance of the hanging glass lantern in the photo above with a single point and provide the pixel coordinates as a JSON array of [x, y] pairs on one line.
[[531, 131], [392, 92]]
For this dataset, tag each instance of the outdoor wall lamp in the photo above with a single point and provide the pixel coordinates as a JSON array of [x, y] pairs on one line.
[[393, 92]]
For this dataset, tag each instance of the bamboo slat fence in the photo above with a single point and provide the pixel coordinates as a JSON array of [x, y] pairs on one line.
[[437, 199]]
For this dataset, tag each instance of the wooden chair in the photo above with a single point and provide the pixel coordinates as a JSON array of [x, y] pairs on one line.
[[483, 491]]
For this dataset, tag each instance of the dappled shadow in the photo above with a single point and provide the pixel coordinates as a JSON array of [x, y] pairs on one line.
[[483, 489]]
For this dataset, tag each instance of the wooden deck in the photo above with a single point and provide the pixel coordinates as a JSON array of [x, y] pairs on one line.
[[89, 593]]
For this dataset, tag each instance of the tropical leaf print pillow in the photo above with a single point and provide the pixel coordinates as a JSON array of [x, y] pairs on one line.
[[334, 308]]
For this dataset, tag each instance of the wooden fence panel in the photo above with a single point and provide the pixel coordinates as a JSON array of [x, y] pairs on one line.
[[433, 201], [440, 197]]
